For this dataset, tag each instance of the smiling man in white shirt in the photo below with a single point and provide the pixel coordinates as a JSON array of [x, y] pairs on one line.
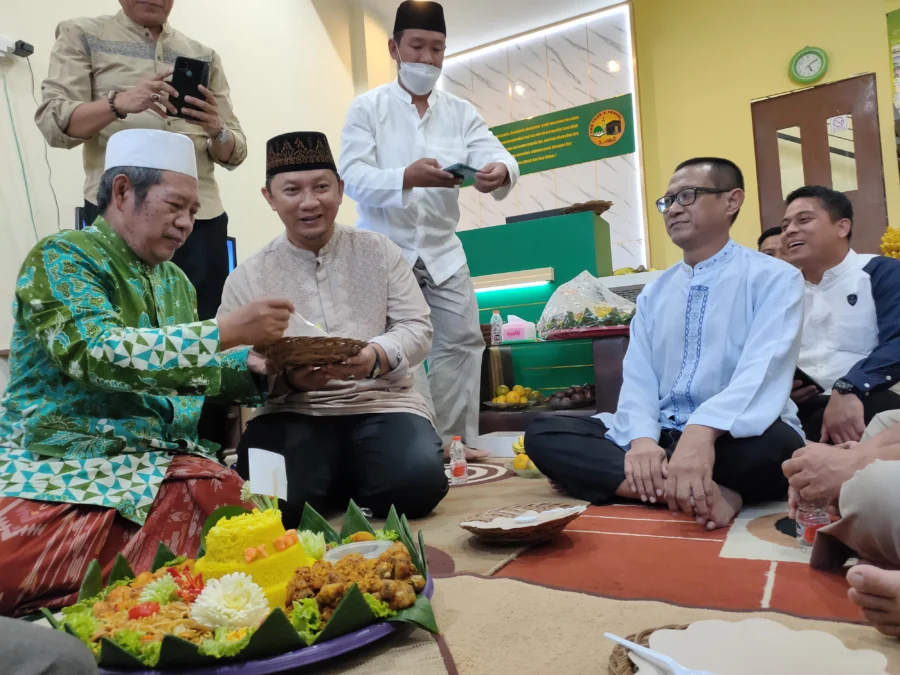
[[851, 329], [396, 141]]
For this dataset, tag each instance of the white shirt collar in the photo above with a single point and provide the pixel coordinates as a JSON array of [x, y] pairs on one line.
[[725, 255], [406, 97], [847, 263]]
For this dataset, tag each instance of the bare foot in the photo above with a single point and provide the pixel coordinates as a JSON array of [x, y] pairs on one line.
[[725, 505], [472, 454], [877, 592]]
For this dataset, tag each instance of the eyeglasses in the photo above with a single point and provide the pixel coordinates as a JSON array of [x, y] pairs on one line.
[[685, 197]]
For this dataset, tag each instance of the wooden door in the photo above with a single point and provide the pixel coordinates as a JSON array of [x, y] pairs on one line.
[[826, 135]]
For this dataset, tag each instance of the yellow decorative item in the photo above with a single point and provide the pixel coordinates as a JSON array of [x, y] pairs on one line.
[[521, 462], [229, 542], [890, 243], [519, 446]]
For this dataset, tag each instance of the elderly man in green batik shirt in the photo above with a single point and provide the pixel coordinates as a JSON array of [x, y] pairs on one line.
[[109, 368]]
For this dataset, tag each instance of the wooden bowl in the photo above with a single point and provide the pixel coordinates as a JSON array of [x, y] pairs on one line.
[[291, 352], [620, 664], [527, 534]]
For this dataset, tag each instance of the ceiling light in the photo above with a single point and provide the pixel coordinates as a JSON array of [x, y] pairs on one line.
[[520, 90], [614, 66], [508, 280]]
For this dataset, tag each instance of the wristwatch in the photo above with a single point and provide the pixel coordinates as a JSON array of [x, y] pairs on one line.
[[222, 137], [376, 367], [844, 387], [111, 98]]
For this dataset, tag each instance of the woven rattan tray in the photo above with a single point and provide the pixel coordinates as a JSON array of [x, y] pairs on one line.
[[620, 664], [521, 535], [291, 352]]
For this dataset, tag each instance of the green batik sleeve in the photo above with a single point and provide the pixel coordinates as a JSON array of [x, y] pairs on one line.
[[64, 301], [240, 384]]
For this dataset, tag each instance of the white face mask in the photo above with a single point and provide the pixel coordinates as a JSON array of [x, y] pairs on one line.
[[419, 78]]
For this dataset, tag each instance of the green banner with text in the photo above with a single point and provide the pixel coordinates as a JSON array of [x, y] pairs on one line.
[[893, 23], [581, 134]]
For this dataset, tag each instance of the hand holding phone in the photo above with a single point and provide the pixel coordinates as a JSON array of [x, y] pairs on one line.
[[804, 388], [462, 171], [189, 76], [427, 173]]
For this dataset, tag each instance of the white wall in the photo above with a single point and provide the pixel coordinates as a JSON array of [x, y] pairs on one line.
[[569, 65], [287, 61]]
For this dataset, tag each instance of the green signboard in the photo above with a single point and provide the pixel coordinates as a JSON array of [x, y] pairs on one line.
[[893, 23], [581, 134]]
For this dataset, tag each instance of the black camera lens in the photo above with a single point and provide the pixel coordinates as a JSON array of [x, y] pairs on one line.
[[189, 73]]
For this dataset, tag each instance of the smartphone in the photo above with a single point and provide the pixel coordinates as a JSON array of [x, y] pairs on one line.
[[463, 171], [807, 380], [188, 76]]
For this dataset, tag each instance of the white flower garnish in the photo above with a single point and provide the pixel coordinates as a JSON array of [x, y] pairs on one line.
[[234, 601]]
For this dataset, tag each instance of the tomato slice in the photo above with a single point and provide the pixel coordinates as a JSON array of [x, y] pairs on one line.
[[143, 610]]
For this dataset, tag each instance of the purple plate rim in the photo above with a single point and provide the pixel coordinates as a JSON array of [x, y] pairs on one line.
[[290, 660]]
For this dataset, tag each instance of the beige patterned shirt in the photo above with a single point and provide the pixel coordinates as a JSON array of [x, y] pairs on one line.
[[359, 286], [93, 56]]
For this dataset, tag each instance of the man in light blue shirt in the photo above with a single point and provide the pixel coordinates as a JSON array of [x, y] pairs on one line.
[[704, 419]]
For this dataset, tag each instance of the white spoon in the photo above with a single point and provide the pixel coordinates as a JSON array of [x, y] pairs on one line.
[[303, 328], [657, 659]]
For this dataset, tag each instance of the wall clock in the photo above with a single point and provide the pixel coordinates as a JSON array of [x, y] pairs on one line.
[[808, 65]]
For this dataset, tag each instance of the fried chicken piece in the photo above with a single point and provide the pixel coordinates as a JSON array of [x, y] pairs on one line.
[[395, 563], [397, 594], [331, 595], [417, 581]]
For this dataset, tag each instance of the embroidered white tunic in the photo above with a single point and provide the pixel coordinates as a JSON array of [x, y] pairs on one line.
[[714, 345], [359, 286]]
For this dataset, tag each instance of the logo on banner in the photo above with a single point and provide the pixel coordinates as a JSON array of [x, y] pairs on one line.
[[607, 127]]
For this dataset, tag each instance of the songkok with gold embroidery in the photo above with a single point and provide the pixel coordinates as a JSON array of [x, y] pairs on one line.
[[298, 151]]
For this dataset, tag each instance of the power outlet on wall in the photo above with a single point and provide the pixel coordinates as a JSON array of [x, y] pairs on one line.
[[10, 47]]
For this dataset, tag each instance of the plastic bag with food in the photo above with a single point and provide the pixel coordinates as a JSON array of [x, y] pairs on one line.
[[582, 303]]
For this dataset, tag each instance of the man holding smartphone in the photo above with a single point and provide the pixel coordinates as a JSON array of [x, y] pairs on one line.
[[396, 142], [109, 73]]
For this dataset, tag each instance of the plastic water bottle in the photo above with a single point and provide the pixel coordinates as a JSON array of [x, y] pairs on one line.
[[811, 517], [496, 328], [459, 468]]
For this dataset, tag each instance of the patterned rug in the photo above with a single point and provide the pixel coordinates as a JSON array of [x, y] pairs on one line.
[[506, 627], [642, 552]]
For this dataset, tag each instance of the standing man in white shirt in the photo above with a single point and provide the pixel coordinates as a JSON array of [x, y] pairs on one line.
[[394, 146]]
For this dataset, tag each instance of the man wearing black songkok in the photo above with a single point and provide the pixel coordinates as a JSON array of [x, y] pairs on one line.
[[356, 429]]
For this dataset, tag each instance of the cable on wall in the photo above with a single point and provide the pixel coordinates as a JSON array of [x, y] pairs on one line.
[[46, 145], [19, 151]]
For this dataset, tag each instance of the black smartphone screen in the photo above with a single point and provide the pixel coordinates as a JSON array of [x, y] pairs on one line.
[[188, 76], [807, 380]]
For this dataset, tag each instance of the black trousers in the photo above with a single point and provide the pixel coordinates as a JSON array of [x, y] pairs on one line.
[[813, 411], [575, 452], [377, 460], [203, 258]]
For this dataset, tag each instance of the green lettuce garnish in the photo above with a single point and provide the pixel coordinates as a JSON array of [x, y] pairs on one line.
[[163, 590], [130, 641], [306, 620], [386, 535], [313, 544], [379, 608], [82, 621], [175, 562], [221, 647]]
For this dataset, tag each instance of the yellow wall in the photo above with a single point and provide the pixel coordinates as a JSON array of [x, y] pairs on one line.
[[700, 64]]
